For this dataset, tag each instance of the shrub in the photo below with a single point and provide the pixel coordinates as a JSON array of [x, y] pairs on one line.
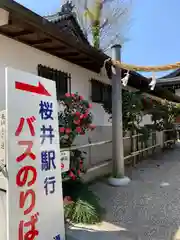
[[76, 119]]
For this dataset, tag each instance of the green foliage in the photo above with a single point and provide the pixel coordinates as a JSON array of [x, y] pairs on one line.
[[145, 131], [96, 36], [164, 114], [134, 105], [131, 109], [85, 206], [75, 119], [77, 158]]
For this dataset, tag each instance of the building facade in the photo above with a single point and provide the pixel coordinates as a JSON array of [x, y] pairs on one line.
[[54, 47]]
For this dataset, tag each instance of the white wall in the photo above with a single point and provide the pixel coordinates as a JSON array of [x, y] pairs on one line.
[[3, 181], [146, 120], [26, 58], [23, 57], [2, 215], [177, 92]]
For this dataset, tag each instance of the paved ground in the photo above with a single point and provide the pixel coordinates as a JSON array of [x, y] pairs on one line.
[[147, 209]]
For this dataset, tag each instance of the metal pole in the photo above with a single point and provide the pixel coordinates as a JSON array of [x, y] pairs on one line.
[[117, 124]]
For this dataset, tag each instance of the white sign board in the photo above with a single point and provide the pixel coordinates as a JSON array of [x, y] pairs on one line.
[[2, 137], [35, 202], [65, 161], [3, 180]]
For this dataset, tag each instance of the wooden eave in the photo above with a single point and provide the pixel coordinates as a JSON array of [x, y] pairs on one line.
[[172, 74], [140, 82], [170, 80], [31, 29]]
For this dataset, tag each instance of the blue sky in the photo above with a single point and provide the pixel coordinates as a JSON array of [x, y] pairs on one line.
[[154, 34]]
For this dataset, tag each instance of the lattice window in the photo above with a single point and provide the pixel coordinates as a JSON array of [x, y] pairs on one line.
[[100, 92], [62, 79]]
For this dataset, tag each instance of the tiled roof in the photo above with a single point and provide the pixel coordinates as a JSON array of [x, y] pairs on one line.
[[65, 17], [173, 74]]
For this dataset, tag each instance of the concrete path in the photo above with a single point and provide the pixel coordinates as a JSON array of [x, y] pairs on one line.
[[147, 209]]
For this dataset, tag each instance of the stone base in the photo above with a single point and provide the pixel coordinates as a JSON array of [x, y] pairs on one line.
[[116, 182]]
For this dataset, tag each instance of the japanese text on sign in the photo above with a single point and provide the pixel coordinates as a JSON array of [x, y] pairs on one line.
[[2, 137], [65, 161], [27, 176], [48, 158], [33, 158]]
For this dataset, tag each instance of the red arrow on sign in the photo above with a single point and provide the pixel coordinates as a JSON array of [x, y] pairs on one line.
[[40, 89]]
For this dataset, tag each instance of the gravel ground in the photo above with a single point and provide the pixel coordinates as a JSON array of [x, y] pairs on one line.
[[147, 209]]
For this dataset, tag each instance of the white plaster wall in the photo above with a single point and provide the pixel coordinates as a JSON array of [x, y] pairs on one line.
[[146, 120], [177, 92], [23, 57], [26, 58], [3, 181]]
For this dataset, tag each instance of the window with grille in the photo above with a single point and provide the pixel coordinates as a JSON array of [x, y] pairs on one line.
[[62, 79], [100, 92], [107, 93]]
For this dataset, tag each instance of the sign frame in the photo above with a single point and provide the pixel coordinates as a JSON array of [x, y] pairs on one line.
[[26, 148]]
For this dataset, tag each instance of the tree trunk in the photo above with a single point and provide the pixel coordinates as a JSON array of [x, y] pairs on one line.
[[96, 23]]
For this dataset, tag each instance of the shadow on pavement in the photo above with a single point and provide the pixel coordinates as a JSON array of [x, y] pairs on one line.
[[81, 234]]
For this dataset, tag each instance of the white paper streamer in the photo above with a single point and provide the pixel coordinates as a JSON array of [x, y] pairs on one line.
[[153, 82], [125, 79]]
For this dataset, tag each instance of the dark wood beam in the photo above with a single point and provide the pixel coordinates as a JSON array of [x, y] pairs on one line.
[[37, 42], [84, 60], [43, 25], [21, 33], [51, 49], [67, 54], [92, 67], [33, 42], [79, 60]]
